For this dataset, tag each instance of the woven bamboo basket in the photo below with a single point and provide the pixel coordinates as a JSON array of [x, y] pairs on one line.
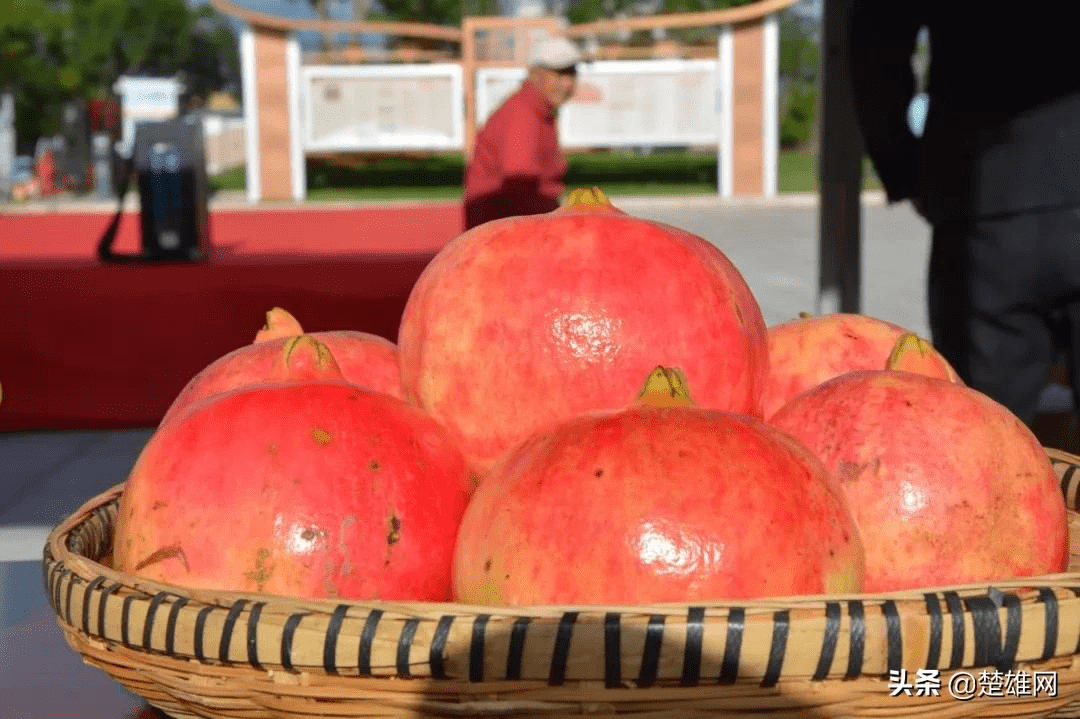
[[206, 654]]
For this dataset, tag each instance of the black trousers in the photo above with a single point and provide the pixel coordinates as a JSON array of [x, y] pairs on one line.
[[1004, 302]]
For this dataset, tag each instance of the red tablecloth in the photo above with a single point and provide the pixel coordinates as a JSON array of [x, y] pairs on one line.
[[87, 345]]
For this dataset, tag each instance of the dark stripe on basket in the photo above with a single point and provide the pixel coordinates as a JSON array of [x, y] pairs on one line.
[[55, 581], [476, 648], [695, 634], [1066, 481], [561, 653], [287, 634], [60, 576], [777, 649], [72, 581], [650, 655], [125, 614], [829, 641], [405, 640], [333, 629], [516, 655], [170, 624], [46, 576], [857, 616], [612, 650], [228, 627], [253, 635], [367, 639], [200, 632], [90, 589], [956, 611], [1076, 592], [736, 625], [151, 612], [101, 607], [1013, 620], [984, 617], [894, 637], [1050, 601], [933, 610], [438, 646]]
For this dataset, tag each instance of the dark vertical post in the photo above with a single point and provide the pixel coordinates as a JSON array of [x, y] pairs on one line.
[[839, 171]]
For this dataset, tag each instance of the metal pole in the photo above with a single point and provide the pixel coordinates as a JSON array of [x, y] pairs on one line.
[[840, 172], [7, 144], [725, 81]]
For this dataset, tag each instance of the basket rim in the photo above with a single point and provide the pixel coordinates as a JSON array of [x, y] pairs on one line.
[[56, 551], [119, 620]]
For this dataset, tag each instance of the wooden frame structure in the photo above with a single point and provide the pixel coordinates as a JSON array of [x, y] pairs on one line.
[[743, 35]]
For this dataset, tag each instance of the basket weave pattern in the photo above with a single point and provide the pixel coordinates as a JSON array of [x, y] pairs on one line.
[[216, 654]]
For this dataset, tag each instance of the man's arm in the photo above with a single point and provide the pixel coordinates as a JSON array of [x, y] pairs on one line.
[[883, 36]]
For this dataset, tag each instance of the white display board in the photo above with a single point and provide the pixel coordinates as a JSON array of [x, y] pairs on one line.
[[623, 103], [382, 107]]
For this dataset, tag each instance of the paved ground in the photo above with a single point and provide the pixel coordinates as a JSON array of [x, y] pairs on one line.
[[45, 476]]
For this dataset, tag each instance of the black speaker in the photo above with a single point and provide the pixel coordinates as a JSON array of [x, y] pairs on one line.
[[169, 166]]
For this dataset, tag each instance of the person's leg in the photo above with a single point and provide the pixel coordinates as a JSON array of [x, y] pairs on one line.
[[1064, 227], [947, 295], [989, 308]]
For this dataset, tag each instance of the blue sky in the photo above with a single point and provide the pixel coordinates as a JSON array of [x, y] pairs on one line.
[[300, 8], [340, 9]]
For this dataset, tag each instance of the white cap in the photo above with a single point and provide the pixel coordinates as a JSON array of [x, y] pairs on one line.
[[555, 53]]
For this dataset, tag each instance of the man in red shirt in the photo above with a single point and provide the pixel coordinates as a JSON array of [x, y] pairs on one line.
[[517, 167]]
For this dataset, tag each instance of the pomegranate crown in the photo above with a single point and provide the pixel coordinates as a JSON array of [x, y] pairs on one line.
[[590, 199], [665, 387]]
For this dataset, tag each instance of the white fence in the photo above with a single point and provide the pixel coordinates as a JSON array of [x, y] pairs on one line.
[[395, 108], [223, 138]]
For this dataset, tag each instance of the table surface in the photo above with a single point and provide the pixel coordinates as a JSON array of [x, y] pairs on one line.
[[51, 474], [240, 236], [40, 677]]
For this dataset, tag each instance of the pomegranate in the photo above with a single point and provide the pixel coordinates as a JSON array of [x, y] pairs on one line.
[[660, 501], [565, 312], [809, 350], [364, 359], [947, 486], [312, 488]]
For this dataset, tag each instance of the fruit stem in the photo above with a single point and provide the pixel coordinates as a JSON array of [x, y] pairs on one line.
[[665, 387], [279, 323], [590, 200], [905, 343], [306, 358]]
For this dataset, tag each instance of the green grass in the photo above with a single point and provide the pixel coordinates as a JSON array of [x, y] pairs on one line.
[[796, 171], [439, 177]]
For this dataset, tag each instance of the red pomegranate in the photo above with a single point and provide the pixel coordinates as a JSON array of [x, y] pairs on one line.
[[316, 488], [528, 321], [659, 502], [809, 350], [947, 486], [364, 359]]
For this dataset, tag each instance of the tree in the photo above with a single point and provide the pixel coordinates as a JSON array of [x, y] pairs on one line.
[[437, 12], [800, 72], [52, 51]]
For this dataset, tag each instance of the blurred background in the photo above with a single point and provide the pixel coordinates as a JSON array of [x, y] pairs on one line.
[[67, 67]]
